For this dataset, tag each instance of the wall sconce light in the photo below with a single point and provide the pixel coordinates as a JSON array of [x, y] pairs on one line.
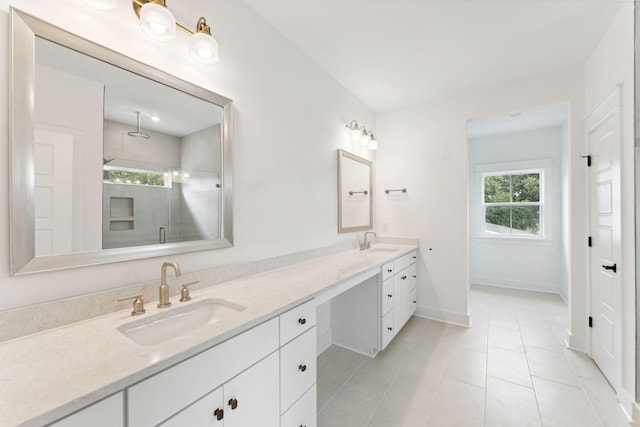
[[157, 21], [365, 137]]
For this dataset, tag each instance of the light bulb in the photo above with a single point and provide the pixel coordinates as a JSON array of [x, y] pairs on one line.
[[204, 48], [157, 22]]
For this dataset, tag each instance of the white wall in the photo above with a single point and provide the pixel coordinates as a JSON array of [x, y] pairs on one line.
[[532, 264], [424, 149], [611, 64], [290, 119]]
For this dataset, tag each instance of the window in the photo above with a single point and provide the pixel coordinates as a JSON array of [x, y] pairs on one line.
[[116, 175], [512, 203]]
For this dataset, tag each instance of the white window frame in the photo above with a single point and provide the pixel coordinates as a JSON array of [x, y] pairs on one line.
[[542, 166]]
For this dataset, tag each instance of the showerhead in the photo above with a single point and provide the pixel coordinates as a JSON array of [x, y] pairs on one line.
[[138, 133]]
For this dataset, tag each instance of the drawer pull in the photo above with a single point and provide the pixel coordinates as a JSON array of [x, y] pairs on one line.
[[415, 302], [302, 320], [414, 257], [302, 368], [404, 277], [219, 413], [390, 296], [390, 270], [414, 276], [233, 403], [390, 328]]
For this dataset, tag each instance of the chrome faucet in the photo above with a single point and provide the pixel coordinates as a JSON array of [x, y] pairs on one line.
[[366, 245], [164, 289]]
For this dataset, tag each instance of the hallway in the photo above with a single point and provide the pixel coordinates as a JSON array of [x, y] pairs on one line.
[[510, 368]]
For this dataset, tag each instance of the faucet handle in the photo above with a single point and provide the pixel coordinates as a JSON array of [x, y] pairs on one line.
[[138, 304], [184, 293]]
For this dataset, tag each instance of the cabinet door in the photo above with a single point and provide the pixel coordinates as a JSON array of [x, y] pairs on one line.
[[106, 413], [204, 413], [298, 368], [414, 275], [402, 299], [387, 296], [252, 398], [387, 329]]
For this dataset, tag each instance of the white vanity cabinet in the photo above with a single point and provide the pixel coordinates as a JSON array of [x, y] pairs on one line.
[[176, 391], [108, 412], [399, 295], [298, 367]]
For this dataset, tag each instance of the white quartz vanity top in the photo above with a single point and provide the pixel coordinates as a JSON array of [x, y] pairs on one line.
[[51, 374]]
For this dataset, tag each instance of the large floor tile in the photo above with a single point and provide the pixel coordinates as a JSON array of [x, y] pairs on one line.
[[510, 405], [541, 338], [467, 365], [325, 392], [352, 406], [505, 338], [603, 399], [457, 404], [472, 338], [339, 366], [509, 366], [551, 365], [583, 366], [563, 406]]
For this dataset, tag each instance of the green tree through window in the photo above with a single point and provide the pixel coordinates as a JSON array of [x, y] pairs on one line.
[[512, 204]]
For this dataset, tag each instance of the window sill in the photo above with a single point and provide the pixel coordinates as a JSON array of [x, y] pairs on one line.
[[521, 241]]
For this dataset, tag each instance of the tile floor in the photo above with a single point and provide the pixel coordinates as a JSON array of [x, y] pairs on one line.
[[509, 369]]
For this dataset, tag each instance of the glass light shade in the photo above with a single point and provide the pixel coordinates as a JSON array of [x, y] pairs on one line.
[[373, 144], [102, 4], [158, 22], [204, 48]]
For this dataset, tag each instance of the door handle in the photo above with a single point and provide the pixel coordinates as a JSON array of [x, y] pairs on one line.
[[613, 267]]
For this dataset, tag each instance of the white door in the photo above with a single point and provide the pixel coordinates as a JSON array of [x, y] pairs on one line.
[[53, 164], [603, 128]]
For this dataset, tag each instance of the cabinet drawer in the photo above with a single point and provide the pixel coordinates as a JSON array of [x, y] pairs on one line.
[[387, 295], [162, 395], [297, 368], [413, 275], [403, 262], [387, 329], [296, 321], [106, 413], [387, 270], [303, 412]]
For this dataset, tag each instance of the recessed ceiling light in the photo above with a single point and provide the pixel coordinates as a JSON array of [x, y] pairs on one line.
[[155, 118]]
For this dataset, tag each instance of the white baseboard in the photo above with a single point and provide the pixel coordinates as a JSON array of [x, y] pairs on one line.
[[576, 342], [443, 315], [517, 284], [635, 414], [323, 342], [355, 350]]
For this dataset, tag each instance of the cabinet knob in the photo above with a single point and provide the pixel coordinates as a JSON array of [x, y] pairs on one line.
[[404, 277], [233, 403], [390, 295], [390, 328], [302, 368], [414, 276], [302, 320], [414, 257], [390, 270], [219, 413], [415, 302]]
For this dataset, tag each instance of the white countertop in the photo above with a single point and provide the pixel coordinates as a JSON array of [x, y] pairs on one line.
[[51, 374]]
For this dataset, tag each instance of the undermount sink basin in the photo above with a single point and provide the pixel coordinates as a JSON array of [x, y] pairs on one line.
[[175, 322]]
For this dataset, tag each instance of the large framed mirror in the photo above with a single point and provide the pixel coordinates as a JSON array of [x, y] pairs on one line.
[[111, 159], [355, 193]]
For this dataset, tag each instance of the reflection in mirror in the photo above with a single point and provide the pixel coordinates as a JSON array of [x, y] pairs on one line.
[[355, 197], [111, 159]]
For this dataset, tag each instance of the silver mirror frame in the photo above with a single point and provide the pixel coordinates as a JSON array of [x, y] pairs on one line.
[[342, 154], [22, 259]]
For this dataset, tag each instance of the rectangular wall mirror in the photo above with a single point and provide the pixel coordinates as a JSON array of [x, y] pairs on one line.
[[111, 159], [355, 196]]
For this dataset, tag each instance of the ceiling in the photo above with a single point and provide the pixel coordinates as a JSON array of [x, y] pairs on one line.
[[397, 53]]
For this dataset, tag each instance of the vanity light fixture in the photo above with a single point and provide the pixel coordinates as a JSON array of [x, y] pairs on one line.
[[157, 21], [360, 133]]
